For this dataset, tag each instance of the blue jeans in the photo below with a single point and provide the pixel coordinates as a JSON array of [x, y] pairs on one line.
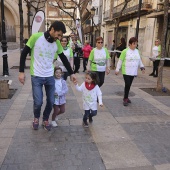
[[37, 92], [89, 113]]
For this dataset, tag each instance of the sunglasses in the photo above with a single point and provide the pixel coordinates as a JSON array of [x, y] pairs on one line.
[[100, 42]]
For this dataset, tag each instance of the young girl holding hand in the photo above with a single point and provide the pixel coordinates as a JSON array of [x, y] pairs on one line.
[[91, 92], [60, 91]]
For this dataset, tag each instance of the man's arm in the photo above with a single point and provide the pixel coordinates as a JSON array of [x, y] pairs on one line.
[[66, 63], [24, 53]]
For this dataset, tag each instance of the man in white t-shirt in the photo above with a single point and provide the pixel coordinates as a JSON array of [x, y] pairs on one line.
[[44, 47]]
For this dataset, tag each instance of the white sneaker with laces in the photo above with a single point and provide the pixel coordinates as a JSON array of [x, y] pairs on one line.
[[54, 124]]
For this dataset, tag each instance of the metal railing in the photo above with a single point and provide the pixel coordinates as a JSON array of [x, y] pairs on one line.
[[146, 5], [107, 15]]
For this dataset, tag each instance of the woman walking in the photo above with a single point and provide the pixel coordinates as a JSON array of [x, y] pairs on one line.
[[86, 52], [129, 61], [69, 54], [156, 53], [99, 61]]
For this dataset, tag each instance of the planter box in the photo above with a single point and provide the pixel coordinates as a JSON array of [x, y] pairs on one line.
[[4, 88]]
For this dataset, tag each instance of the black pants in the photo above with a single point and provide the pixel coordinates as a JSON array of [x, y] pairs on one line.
[[101, 76], [85, 60], [76, 64], [89, 113], [155, 67], [128, 82]]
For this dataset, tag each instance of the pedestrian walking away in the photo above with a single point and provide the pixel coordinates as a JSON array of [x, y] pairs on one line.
[[61, 90], [43, 47], [129, 61], [156, 55], [121, 46], [86, 52], [68, 52], [99, 61], [91, 92]]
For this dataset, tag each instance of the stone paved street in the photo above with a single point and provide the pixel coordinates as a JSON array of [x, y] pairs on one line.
[[136, 137]]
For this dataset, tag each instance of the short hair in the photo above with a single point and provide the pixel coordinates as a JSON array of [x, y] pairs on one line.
[[133, 40], [57, 68], [58, 26], [99, 38]]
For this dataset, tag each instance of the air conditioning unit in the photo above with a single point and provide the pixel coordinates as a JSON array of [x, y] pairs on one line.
[[160, 2]]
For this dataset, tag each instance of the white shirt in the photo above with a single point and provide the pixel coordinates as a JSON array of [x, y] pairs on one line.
[[90, 96]]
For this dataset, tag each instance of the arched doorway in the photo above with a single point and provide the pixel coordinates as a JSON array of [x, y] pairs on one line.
[[9, 26]]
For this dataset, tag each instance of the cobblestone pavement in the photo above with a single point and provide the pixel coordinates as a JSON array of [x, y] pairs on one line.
[[121, 138]]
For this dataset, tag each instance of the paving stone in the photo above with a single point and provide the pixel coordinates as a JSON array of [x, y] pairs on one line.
[[152, 139], [137, 107]]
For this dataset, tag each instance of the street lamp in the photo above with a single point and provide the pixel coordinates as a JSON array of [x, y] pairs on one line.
[[92, 14], [4, 42]]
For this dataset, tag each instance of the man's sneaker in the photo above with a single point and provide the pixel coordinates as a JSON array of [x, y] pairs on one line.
[[129, 101], [46, 125], [125, 102], [56, 118], [54, 124], [85, 124], [90, 119], [35, 124]]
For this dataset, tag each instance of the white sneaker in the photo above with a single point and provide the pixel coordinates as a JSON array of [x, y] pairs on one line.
[[56, 118], [54, 124]]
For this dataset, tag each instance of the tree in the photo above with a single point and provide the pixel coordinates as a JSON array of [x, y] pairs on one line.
[[71, 8], [36, 5], [163, 46], [117, 21]]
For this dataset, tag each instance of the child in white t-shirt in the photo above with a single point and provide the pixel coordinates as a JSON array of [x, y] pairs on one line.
[[91, 92], [61, 90]]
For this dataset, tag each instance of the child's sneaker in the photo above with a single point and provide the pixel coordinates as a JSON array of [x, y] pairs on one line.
[[85, 124], [35, 124], [46, 125], [54, 124], [90, 119]]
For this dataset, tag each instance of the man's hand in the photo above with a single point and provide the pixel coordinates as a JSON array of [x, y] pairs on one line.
[[21, 77], [116, 72], [73, 78], [101, 105]]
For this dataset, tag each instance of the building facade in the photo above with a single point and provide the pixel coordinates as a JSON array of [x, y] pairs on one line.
[[150, 27]]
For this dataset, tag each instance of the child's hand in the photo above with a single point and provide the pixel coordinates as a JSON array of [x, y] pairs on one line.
[[75, 82], [101, 105], [116, 72]]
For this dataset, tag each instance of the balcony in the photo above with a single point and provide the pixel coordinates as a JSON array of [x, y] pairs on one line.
[[107, 15], [131, 9], [88, 29]]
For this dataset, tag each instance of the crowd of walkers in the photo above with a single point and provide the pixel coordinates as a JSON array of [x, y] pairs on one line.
[[54, 58]]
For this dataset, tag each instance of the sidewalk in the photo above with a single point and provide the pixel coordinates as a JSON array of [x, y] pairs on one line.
[[121, 138]]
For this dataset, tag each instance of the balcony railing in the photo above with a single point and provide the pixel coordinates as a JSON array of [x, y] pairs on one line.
[[130, 9], [107, 15]]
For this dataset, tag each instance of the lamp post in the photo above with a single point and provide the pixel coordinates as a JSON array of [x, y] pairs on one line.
[[138, 19], [92, 13], [4, 42]]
